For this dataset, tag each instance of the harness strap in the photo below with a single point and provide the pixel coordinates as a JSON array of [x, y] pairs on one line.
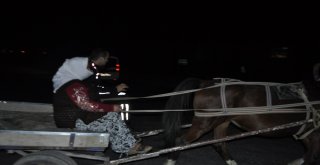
[[268, 97], [223, 95], [230, 82]]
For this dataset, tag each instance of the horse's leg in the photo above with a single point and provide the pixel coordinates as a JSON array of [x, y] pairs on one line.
[[220, 132], [199, 127]]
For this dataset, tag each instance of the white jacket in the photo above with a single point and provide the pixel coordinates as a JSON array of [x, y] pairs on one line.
[[71, 69]]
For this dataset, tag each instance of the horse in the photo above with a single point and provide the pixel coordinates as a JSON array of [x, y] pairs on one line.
[[212, 94]]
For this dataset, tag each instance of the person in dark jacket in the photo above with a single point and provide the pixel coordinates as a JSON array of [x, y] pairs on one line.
[[75, 107]]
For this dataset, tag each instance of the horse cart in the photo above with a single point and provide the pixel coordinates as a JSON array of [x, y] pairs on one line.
[[28, 128]]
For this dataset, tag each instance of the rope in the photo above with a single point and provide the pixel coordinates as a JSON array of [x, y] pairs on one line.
[[199, 89], [249, 110], [230, 111]]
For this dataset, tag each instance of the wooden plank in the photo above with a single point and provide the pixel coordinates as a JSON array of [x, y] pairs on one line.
[[60, 138]]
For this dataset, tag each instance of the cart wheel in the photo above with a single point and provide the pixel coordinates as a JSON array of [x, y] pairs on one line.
[[45, 158]]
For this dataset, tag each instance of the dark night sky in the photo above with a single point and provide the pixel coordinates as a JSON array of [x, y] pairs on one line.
[[147, 37], [150, 38]]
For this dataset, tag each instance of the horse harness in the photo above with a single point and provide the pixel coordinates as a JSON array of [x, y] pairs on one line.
[[291, 90]]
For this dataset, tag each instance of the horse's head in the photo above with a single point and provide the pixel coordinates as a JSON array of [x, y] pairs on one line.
[[311, 89]]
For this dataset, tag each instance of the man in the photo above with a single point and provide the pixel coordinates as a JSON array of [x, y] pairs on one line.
[[74, 106], [80, 67]]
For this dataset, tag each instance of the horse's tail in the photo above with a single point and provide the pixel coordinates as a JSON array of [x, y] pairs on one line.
[[172, 119]]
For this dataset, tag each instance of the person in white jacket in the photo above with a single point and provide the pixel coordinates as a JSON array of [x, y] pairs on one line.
[[79, 68]]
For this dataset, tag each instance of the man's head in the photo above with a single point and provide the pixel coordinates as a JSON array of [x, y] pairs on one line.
[[99, 57]]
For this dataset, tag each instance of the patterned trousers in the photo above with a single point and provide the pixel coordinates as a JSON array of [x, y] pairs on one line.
[[121, 138]]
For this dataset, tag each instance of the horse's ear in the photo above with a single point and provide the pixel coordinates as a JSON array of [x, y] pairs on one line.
[[316, 72]]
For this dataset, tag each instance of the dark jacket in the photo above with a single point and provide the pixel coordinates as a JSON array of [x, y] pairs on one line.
[[73, 100]]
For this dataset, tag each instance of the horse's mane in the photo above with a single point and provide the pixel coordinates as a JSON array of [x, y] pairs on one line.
[[172, 120]]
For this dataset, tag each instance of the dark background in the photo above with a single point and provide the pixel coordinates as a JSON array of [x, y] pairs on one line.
[[149, 39]]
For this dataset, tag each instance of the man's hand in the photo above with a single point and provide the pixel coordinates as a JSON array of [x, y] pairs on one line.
[[122, 87]]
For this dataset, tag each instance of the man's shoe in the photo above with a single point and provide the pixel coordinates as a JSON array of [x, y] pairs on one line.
[[139, 149]]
